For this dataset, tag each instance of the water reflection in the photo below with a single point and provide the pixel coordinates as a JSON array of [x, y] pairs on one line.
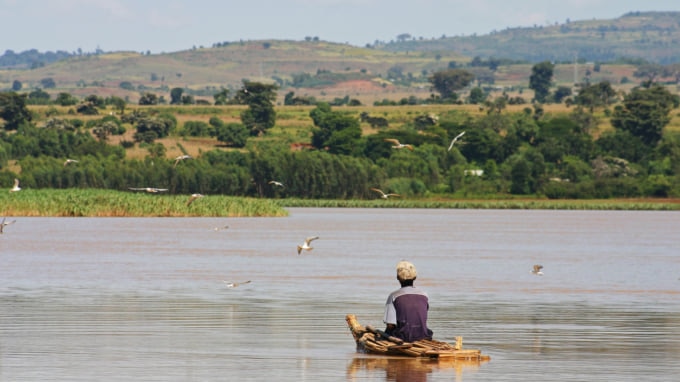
[[409, 369]]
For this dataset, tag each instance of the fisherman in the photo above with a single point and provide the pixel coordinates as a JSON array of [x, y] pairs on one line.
[[406, 308]]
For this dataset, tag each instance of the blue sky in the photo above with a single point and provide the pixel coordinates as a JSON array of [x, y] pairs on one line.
[[173, 25]]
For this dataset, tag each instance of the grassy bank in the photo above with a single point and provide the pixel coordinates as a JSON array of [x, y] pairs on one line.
[[110, 203], [525, 204]]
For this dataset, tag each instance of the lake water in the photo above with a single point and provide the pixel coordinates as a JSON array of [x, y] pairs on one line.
[[143, 299]]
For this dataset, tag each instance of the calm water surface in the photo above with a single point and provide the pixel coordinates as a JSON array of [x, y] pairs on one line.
[[123, 299]]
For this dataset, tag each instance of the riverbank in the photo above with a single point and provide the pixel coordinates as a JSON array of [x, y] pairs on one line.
[[111, 203], [521, 204]]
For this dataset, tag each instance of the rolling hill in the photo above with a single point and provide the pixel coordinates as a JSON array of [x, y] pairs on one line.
[[384, 71]]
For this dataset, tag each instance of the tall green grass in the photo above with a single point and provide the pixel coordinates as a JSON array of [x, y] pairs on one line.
[[632, 205], [110, 203]]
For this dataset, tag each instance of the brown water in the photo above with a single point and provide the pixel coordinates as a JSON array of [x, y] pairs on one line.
[[123, 299]]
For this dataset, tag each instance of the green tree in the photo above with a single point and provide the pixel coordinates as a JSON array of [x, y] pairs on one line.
[[337, 132], [477, 96], [104, 129], [152, 128], [48, 83], [13, 110], [448, 81], [188, 99], [17, 85], [232, 134], [176, 96], [561, 93], [260, 115], [601, 94], [148, 99], [118, 103], [221, 97], [66, 99], [38, 97], [645, 112], [540, 80]]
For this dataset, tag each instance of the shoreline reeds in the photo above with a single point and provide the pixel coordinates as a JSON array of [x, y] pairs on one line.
[[112, 203]]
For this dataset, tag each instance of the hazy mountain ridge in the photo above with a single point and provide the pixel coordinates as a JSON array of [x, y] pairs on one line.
[[653, 36], [375, 72]]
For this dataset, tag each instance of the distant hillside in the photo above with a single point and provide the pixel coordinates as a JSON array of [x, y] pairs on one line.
[[31, 58], [297, 65], [327, 70], [653, 36]]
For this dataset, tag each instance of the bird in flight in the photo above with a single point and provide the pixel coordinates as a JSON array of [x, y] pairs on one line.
[[16, 186], [275, 183], [454, 140], [193, 197], [537, 270], [306, 244], [234, 285], [397, 145], [69, 161], [5, 223], [382, 194], [181, 158], [150, 190]]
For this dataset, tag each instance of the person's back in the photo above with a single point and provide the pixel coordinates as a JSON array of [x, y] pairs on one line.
[[406, 308]]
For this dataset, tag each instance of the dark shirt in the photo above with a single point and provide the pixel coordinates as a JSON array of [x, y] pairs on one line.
[[407, 309]]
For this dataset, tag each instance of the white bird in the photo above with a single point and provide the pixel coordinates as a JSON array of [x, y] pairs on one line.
[[5, 223], [69, 161], [181, 158], [397, 145], [151, 190], [193, 197], [220, 228], [454, 140], [275, 183], [537, 270], [234, 285], [16, 186], [382, 194], [305, 245]]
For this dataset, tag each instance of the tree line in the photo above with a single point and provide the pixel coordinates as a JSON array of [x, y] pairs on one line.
[[501, 152]]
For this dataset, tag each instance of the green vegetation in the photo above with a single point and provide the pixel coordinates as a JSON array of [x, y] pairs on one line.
[[509, 204], [109, 203], [362, 118]]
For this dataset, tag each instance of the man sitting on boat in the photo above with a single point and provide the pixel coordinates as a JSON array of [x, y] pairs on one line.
[[406, 308]]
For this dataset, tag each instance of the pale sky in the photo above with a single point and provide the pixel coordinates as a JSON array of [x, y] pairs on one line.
[[174, 25]]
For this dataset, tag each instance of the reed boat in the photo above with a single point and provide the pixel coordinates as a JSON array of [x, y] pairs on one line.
[[373, 341]]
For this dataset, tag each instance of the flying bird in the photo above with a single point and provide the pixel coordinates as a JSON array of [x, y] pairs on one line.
[[16, 186], [181, 158], [275, 183], [305, 245], [234, 285], [150, 190], [193, 197], [69, 161], [5, 223], [537, 270], [397, 145], [382, 194], [454, 140]]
